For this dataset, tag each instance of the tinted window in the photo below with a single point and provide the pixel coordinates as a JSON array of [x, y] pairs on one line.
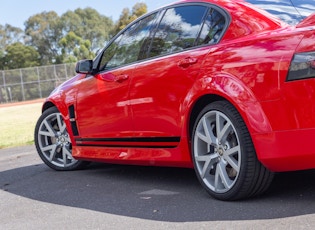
[[128, 47], [212, 28], [289, 11], [178, 29]]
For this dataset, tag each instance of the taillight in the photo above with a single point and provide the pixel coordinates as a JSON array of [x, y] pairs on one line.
[[302, 66]]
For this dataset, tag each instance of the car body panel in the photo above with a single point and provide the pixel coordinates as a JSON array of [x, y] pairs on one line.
[[99, 105], [159, 88], [146, 118]]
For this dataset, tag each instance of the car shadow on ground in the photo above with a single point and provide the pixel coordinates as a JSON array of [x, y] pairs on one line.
[[154, 193]]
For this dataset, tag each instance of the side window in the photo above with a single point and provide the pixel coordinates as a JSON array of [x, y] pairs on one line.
[[109, 53], [128, 47], [178, 30], [212, 28]]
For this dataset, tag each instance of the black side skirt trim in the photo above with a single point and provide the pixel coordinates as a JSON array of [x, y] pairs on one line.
[[138, 142]]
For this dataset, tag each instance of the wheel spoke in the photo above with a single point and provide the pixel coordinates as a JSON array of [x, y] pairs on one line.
[[225, 132], [203, 138], [64, 158], [67, 152], [209, 133], [218, 123], [223, 128], [52, 152], [61, 124], [228, 156], [222, 177], [46, 133], [49, 147], [208, 165], [50, 131]]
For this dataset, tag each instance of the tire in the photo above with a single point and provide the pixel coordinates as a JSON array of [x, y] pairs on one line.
[[224, 157], [53, 142]]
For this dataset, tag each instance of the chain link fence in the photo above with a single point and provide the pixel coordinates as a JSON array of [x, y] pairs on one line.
[[32, 83]]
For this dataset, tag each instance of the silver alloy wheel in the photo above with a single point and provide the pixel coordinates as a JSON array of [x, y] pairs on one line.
[[217, 152], [54, 141]]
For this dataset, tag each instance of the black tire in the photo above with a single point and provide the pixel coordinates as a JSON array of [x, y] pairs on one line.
[[53, 143], [223, 154]]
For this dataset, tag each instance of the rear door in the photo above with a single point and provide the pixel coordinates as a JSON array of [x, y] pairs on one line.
[[160, 85]]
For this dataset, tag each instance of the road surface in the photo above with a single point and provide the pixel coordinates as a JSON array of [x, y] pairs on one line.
[[32, 196]]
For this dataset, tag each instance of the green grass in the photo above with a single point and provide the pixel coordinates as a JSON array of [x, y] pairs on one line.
[[17, 124]]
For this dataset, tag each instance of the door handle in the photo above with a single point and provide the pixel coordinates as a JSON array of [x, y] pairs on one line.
[[121, 78], [187, 62]]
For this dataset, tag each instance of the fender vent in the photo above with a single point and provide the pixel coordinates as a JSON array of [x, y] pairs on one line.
[[73, 121]]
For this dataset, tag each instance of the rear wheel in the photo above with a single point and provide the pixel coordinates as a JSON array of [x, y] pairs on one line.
[[53, 142], [224, 156]]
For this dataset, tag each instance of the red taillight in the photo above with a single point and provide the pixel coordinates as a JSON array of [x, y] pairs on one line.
[[302, 66]]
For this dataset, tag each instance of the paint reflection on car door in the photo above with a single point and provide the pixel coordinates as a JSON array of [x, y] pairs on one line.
[[160, 84], [99, 112], [103, 101]]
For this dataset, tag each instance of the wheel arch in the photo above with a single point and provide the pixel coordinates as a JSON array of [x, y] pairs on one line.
[[47, 105], [197, 108], [60, 105], [228, 88]]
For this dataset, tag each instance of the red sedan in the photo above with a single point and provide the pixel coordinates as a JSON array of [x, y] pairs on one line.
[[224, 86]]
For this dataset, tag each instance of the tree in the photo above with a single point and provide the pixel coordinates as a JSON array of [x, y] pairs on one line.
[[44, 31], [139, 9], [19, 56], [75, 48], [127, 17], [9, 35], [123, 21], [89, 25]]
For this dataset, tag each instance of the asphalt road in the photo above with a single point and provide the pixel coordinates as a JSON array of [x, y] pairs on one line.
[[32, 196]]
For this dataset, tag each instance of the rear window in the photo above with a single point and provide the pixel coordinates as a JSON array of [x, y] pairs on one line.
[[289, 11]]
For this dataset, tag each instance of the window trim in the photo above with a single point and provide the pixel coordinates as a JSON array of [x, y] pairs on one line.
[[160, 15], [209, 6]]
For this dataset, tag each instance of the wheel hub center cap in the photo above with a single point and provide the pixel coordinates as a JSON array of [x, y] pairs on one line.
[[220, 151], [62, 139]]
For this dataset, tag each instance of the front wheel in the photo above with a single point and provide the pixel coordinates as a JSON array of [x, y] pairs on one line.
[[224, 156], [53, 142]]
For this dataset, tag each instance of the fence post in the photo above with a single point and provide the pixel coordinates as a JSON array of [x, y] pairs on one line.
[[56, 77], [65, 65], [4, 91], [39, 87], [7, 89], [22, 85]]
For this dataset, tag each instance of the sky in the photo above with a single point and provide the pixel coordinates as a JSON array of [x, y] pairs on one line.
[[16, 12]]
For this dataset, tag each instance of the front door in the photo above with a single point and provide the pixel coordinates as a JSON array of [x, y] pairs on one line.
[[103, 105]]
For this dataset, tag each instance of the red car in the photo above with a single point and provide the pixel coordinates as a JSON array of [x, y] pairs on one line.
[[224, 86]]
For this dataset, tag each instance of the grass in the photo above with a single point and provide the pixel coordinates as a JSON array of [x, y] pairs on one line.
[[17, 124]]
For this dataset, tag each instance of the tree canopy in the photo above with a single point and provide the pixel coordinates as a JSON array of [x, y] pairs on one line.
[[52, 39], [20, 56], [127, 17]]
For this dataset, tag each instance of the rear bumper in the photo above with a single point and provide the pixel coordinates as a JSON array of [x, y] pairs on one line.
[[286, 150]]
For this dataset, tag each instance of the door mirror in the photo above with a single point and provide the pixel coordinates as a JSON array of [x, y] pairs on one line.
[[84, 66]]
